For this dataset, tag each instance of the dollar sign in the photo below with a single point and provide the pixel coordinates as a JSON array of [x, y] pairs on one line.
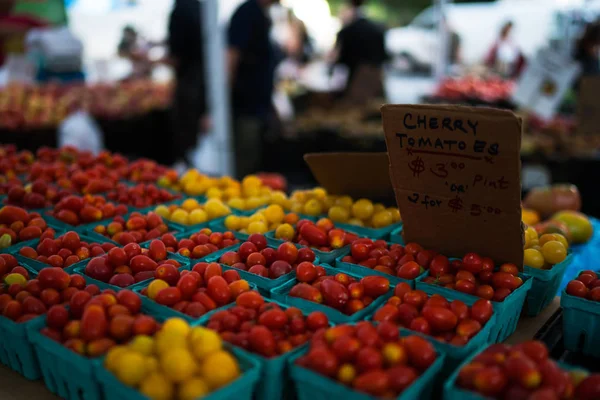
[[417, 166], [455, 204]]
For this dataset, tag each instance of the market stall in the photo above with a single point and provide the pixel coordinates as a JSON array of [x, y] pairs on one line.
[[123, 279]]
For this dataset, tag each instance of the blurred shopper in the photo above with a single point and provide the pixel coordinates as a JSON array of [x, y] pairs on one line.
[[251, 59], [299, 46], [361, 42], [587, 50], [505, 57], [187, 56], [13, 29], [135, 48]]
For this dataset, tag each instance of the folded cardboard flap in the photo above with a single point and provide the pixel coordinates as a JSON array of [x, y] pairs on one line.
[[354, 174]]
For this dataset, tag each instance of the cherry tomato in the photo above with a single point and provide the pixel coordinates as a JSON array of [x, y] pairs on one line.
[[501, 294], [577, 288], [485, 292], [460, 309], [413, 248], [472, 262], [510, 268], [439, 266], [421, 353], [586, 279], [440, 319], [465, 276], [503, 280], [465, 286], [420, 324], [416, 298]]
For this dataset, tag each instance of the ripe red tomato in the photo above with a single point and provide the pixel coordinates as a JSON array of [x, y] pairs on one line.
[[439, 265], [485, 292], [468, 328], [437, 301], [586, 279], [465, 276], [594, 294], [425, 257], [487, 264], [413, 248], [317, 320], [306, 272], [410, 270], [465, 286], [406, 313], [501, 294], [262, 341], [420, 324], [472, 262], [481, 311], [421, 353], [510, 268], [368, 358], [375, 383], [246, 249], [440, 319], [416, 298], [503, 280], [401, 289], [577, 288], [460, 309]]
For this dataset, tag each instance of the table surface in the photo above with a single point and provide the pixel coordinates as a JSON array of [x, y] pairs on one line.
[[14, 387]]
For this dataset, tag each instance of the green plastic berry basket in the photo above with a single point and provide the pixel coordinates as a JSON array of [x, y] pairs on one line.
[[164, 312], [263, 284], [38, 265], [396, 235], [66, 373], [80, 269], [240, 389], [275, 382], [184, 235], [16, 350], [365, 271], [581, 324], [324, 256], [453, 392], [313, 386], [281, 294], [544, 286], [371, 233], [507, 311], [89, 229]]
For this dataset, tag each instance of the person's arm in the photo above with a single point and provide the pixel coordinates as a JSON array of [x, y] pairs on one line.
[[233, 61]]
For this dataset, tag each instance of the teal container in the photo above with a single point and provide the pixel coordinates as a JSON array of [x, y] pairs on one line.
[[371, 233], [89, 229], [281, 294], [544, 286], [80, 269], [581, 324], [163, 312], [507, 311], [313, 386], [38, 265], [453, 392], [66, 373], [186, 235], [455, 355], [324, 256], [275, 382], [263, 284], [240, 389], [364, 271], [396, 236], [16, 350]]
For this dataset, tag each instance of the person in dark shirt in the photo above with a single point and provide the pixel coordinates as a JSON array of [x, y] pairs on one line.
[[360, 43], [587, 50], [186, 53], [251, 59]]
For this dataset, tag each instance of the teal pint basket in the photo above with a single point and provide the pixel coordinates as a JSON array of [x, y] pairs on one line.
[[80, 269], [507, 311], [38, 265], [544, 285], [16, 351], [455, 355], [396, 236], [275, 381], [281, 294], [263, 284], [240, 389], [581, 324], [453, 392], [66, 373], [371, 233], [365, 271], [325, 256], [313, 386], [164, 312]]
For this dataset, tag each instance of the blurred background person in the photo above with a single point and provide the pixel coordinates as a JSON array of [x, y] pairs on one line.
[[361, 42], [505, 57], [587, 50], [251, 62], [186, 54], [135, 48], [13, 29]]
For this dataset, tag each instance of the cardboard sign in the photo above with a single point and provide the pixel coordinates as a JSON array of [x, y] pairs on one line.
[[544, 83], [588, 106], [354, 174], [456, 175]]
